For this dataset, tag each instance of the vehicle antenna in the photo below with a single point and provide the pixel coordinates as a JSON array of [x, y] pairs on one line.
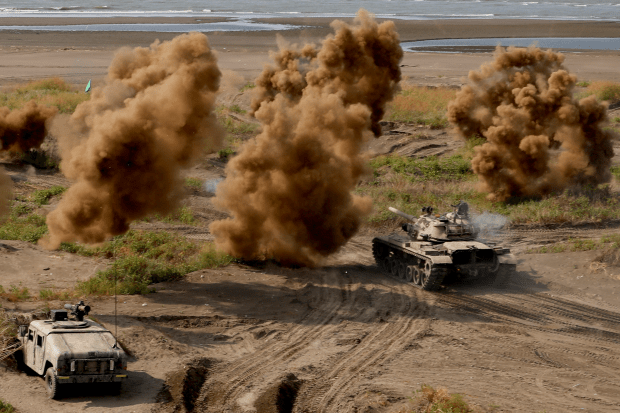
[[115, 319]]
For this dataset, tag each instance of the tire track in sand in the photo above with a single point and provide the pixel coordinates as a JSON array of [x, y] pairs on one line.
[[227, 383], [328, 392]]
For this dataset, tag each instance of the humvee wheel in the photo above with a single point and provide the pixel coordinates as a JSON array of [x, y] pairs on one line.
[[409, 273], [51, 382], [417, 275]]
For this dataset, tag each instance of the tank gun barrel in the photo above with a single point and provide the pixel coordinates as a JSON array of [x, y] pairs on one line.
[[402, 214]]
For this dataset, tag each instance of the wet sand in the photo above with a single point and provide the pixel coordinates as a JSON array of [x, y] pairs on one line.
[[80, 56]]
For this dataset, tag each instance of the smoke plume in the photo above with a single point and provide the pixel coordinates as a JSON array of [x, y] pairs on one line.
[[289, 190], [26, 128], [21, 130], [538, 137], [153, 116]]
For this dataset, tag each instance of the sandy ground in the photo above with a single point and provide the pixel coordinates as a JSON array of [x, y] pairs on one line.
[[349, 338]]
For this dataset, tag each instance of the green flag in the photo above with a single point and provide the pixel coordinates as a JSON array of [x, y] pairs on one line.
[[87, 87]]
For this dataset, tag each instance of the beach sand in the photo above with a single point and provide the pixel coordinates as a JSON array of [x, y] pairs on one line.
[[80, 56]]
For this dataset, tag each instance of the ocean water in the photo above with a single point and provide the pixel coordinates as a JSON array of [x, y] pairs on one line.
[[603, 10]]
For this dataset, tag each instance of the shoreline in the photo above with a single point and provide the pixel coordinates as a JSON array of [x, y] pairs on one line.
[[80, 56]]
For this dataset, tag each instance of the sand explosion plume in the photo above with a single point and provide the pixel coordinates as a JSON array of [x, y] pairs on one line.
[[289, 190], [21, 130], [153, 116], [539, 138]]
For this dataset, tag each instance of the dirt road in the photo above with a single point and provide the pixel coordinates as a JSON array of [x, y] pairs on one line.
[[346, 338]]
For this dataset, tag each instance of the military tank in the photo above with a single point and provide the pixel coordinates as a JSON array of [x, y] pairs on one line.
[[435, 247]]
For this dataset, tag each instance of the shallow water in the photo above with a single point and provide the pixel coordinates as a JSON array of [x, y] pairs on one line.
[[484, 45], [409, 9]]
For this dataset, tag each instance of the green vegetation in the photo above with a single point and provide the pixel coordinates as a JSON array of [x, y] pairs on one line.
[[144, 258], [247, 86], [43, 196], [236, 127], [584, 83], [15, 293], [429, 400], [23, 225], [50, 92], [236, 109], [603, 90], [6, 407], [607, 242], [225, 153], [193, 183], [421, 105], [455, 167], [49, 294], [410, 184], [39, 159]]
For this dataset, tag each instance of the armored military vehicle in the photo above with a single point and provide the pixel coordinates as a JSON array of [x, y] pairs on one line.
[[438, 246], [72, 351]]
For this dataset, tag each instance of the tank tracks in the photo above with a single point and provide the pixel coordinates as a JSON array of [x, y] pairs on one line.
[[413, 269]]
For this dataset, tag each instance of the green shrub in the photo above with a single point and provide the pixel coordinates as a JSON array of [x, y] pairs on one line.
[[50, 92], [421, 105], [42, 197], [247, 86], [6, 407], [144, 258], [225, 153], [193, 183], [429, 400], [603, 90], [455, 167], [24, 228], [236, 109]]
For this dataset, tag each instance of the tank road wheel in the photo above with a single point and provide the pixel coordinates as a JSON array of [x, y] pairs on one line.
[[385, 264], [409, 273], [431, 277], [51, 383], [417, 275], [394, 267], [402, 270], [378, 251]]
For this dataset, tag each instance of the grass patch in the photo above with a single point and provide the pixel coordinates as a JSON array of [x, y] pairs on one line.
[[603, 90], [15, 293], [49, 92], [236, 127], [573, 245], [236, 109], [193, 183], [225, 153], [421, 105], [143, 258], [454, 167], [247, 86], [43, 196], [49, 295], [430, 400], [409, 184], [584, 83], [6, 407], [23, 225]]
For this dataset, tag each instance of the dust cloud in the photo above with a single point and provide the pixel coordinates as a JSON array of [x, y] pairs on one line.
[[21, 130], [539, 138], [126, 145], [289, 190]]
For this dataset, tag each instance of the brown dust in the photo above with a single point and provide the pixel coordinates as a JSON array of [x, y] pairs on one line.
[[539, 138], [126, 145], [21, 130], [289, 190]]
